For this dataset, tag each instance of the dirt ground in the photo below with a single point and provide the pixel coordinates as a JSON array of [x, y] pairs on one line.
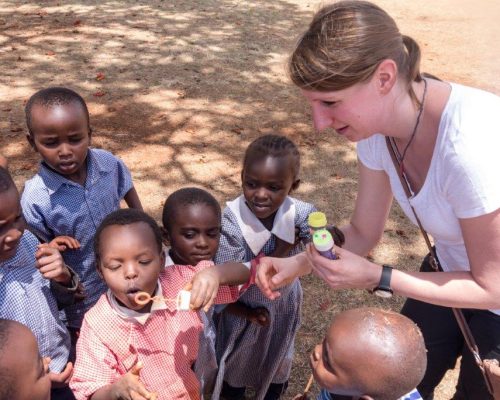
[[179, 88]]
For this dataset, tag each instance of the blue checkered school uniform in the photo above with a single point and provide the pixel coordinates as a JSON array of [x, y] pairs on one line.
[[413, 395], [27, 297], [54, 206], [251, 355]]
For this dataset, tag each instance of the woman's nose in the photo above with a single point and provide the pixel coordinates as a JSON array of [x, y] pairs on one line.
[[321, 120]]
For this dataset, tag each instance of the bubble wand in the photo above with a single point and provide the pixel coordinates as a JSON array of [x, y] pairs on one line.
[[182, 301]]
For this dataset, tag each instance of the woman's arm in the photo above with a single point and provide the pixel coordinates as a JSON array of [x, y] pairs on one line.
[[371, 210], [478, 288]]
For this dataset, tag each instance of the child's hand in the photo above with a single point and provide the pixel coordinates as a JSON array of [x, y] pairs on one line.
[[204, 287], [62, 243], [61, 379], [51, 264], [129, 386], [259, 315]]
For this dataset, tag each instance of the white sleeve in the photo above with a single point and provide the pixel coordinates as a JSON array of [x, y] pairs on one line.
[[470, 162], [471, 179], [370, 152]]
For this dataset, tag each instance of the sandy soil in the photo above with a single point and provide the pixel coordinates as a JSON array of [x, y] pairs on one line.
[[179, 88]]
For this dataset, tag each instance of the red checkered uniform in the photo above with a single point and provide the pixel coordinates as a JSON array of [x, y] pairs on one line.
[[167, 343]]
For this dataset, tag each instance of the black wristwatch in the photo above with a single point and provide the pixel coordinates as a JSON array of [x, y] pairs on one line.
[[384, 286]]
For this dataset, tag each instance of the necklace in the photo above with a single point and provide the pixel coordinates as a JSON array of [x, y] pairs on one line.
[[417, 122]]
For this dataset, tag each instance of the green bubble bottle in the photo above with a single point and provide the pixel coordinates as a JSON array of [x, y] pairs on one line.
[[321, 238]]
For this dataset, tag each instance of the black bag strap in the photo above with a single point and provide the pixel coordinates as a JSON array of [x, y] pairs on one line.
[[435, 264]]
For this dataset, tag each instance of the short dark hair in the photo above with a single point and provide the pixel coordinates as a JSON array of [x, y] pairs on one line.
[[6, 181], [126, 216], [273, 146], [6, 379], [184, 197], [54, 96]]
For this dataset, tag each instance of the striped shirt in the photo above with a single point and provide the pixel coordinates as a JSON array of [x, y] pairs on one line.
[[27, 297], [55, 206]]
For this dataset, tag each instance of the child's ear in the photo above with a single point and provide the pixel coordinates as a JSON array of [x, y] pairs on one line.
[[295, 185], [31, 141]]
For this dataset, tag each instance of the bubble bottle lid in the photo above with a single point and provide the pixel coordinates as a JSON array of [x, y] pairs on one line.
[[317, 220]]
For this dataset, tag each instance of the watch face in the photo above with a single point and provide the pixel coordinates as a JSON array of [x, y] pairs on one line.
[[383, 293]]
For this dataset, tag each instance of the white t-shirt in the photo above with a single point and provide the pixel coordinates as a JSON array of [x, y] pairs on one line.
[[463, 180]]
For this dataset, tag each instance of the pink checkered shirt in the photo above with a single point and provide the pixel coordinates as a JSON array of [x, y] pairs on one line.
[[167, 343]]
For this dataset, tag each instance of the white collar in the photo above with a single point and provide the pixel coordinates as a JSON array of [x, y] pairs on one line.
[[168, 260], [255, 233], [127, 313]]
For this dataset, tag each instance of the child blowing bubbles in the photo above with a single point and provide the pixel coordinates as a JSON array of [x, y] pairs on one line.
[[265, 220], [130, 350], [75, 187]]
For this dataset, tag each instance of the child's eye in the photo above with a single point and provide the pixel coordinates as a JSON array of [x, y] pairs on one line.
[[75, 139], [275, 188], [113, 267], [189, 235], [144, 262], [251, 185], [328, 103], [50, 143]]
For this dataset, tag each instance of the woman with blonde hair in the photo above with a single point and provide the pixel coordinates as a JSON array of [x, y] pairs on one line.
[[362, 77]]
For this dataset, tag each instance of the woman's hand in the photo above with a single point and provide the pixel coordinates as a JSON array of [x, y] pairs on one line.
[[349, 271], [273, 273]]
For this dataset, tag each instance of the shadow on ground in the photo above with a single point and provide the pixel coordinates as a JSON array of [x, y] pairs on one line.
[[178, 89]]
